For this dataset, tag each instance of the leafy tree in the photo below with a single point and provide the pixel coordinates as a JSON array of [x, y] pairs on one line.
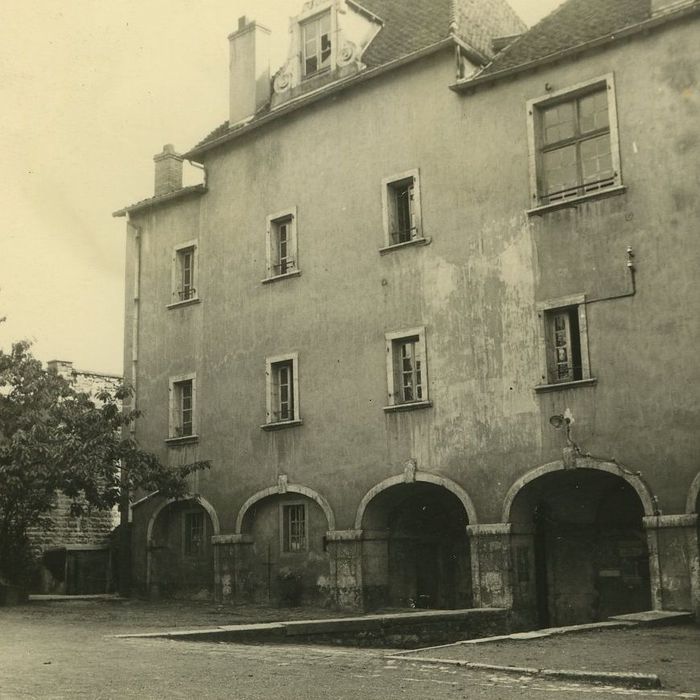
[[54, 439]]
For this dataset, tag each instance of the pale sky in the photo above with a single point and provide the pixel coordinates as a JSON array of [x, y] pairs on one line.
[[90, 90]]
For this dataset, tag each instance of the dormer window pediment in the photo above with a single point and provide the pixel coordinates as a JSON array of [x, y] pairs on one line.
[[327, 40]]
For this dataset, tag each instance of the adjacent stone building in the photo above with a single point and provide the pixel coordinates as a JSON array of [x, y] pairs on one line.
[[431, 315], [75, 551]]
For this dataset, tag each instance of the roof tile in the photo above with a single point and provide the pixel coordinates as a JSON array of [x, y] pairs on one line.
[[574, 22]]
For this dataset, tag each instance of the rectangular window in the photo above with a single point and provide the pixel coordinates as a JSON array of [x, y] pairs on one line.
[[184, 273], [401, 204], [575, 142], [294, 528], [565, 340], [565, 345], [182, 407], [316, 44], [406, 368], [281, 251], [282, 245], [193, 540], [186, 258], [282, 390]]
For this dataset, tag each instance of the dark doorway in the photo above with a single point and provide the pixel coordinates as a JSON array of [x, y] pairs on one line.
[[418, 551], [588, 547]]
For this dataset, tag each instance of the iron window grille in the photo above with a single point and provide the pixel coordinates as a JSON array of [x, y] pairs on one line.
[[295, 528]]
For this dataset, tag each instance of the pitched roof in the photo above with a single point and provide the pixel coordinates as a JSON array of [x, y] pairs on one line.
[[409, 26], [160, 199], [575, 22]]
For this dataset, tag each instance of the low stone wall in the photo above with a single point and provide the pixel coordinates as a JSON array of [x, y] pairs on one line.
[[395, 631]]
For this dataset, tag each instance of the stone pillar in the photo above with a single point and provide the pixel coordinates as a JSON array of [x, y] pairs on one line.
[[230, 553], [674, 561], [345, 554], [491, 565]]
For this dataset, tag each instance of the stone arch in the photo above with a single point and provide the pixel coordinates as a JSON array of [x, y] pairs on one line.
[[216, 529], [691, 505], [642, 490], [424, 477], [197, 499], [278, 490]]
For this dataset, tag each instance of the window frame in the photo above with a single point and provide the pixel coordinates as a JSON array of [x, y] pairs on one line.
[[202, 547], [272, 224], [177, 273], [286, 530], [271, 423], [306, 21], [175, 411], [535, 108], [389, 187], [393, 342], [546, 311]]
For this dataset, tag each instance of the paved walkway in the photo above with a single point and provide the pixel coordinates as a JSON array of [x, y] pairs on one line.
[[672, 653], [67, 650]]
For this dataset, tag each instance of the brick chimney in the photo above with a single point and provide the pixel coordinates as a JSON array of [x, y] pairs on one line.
[[62, 367], [168, 170], [249, 70]]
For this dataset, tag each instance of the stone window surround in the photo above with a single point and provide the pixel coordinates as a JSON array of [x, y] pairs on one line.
[[548, 305], [387, 183], [270, 423], [283, 513], [175, 276], [270, 242], [391, 341], [173, 410], [572, 92]]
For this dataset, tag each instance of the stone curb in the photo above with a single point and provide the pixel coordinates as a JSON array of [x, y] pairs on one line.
[[638, 681]]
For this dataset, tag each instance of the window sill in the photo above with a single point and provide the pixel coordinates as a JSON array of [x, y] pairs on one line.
[[574, 201], [544, 388], [281, 425], [405, 244], [408, 406], [286, 275], [184, 302], [184, 440]]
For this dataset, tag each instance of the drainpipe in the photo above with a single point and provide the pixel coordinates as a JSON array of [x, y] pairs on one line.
[[124, 504], [633, 283]]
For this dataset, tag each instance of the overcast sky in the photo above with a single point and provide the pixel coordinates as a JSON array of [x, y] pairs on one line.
[[89, 91]]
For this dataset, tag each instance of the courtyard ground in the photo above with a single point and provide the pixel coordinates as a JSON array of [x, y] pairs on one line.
[[68, 650]]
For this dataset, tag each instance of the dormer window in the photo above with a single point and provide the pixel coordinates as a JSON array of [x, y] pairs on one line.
[[316, 44]]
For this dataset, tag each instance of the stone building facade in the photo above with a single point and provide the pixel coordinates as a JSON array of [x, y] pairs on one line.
[[431, 315], [74, 551]]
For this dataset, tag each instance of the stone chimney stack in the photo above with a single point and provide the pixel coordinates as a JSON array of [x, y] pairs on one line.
[[62, 367], [249, 70], [168, 170]]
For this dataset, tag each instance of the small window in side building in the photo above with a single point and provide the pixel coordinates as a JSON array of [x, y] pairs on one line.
[[184, 273], [407, 368], [402, 213], [316, 44], [294, 528], [182, 407], [193, 540], [282, 390], [576, 143]]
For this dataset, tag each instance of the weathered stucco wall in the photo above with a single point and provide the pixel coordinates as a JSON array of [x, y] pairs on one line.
[[474, 288]]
